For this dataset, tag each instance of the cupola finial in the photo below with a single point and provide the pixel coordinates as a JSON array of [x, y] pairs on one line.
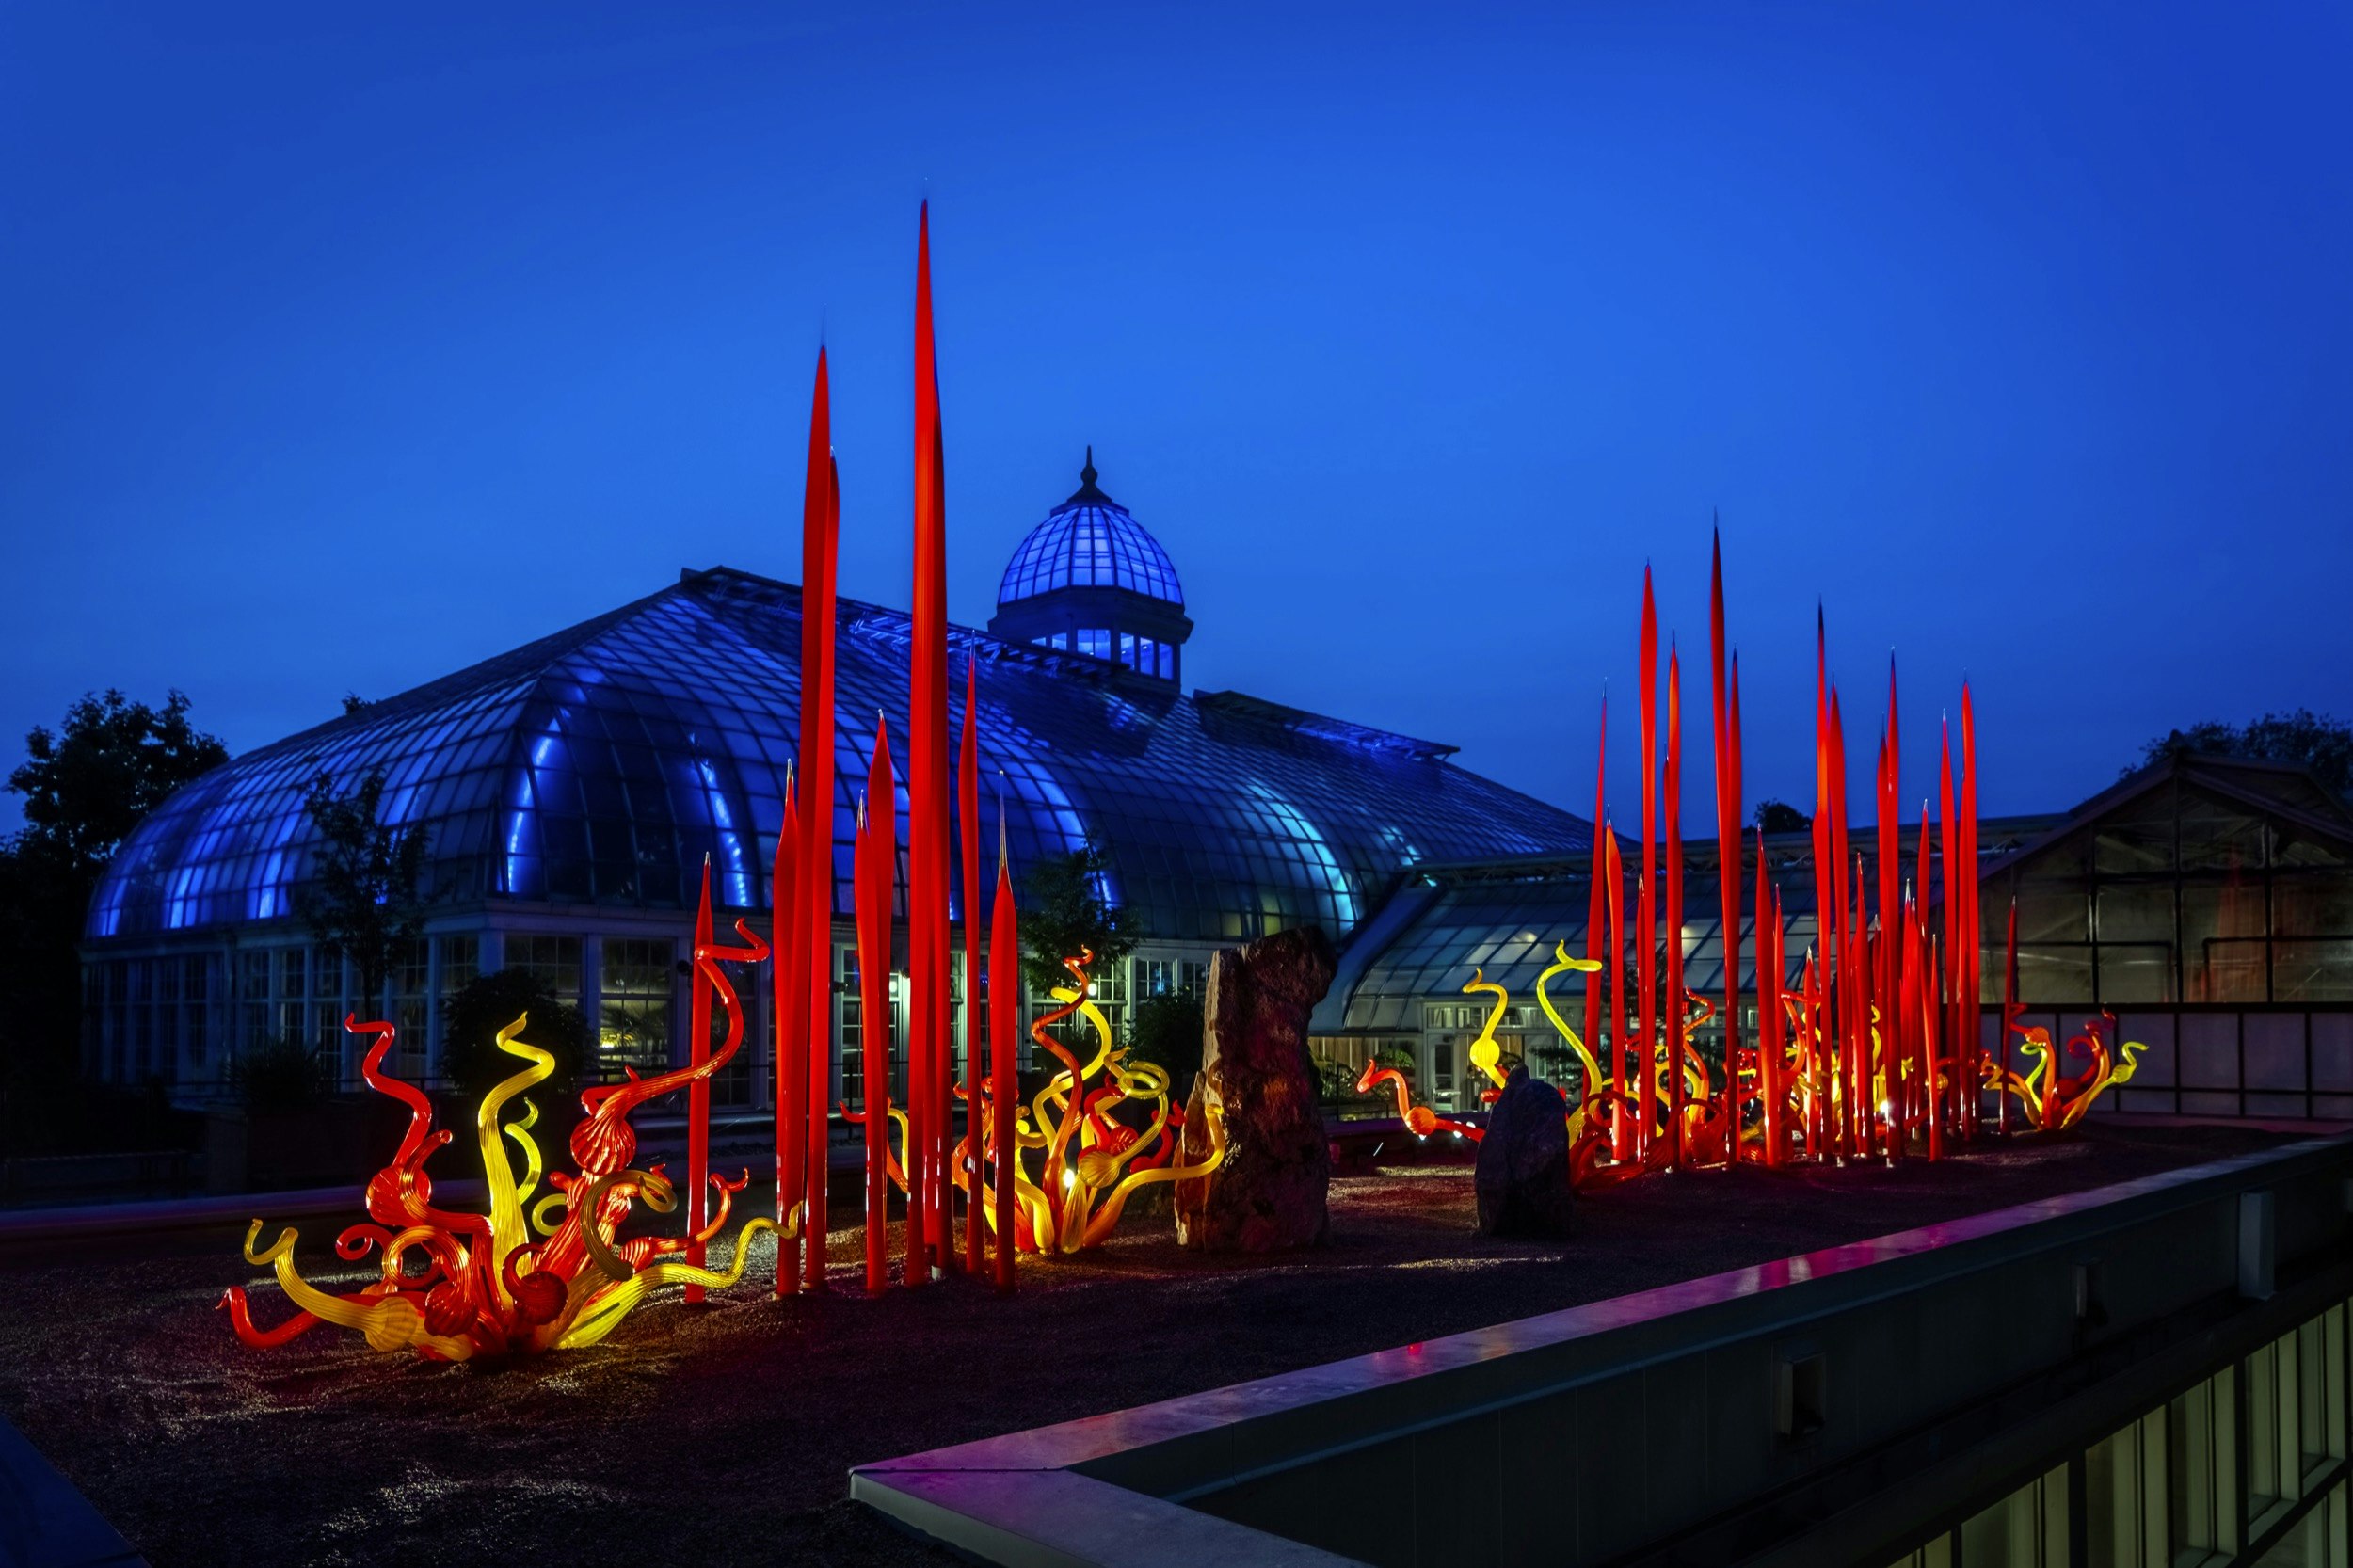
[[1086, 474]]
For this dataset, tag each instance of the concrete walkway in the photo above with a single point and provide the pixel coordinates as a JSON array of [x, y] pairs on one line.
[[77, 1222], [44, 1523]]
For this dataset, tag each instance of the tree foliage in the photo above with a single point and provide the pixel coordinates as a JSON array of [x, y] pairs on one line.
[[282, 1075], [2323, 743], [472, 1017], [86, 785], [1775, 816], [90, 783], [1166, 1029], [1062, 910], [367, 900]]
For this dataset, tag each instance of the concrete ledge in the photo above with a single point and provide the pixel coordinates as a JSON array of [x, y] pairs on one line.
[[1696, 1351], [1055, 1518]]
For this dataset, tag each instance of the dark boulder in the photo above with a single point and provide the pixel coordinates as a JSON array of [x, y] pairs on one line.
[[1523, 1176], [1268, 1193]]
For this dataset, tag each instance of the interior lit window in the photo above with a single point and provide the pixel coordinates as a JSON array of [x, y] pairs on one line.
[[635, 988]]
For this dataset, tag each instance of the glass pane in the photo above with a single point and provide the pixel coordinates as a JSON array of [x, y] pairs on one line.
[[2049, 914], [2026, 1529], [2312, 1395], [2136, 912], [2139, 838], [2048, 976], [2136, 972], [2112, 1501], [2219, 835], [2222, 945], [2310, 904], [2266, 1484], [2316, 1541], [2201, 1450], [2332, 1323], [2307, 970], [2124, 1495]]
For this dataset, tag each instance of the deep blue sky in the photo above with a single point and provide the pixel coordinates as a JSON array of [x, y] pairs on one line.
[[340, 354]]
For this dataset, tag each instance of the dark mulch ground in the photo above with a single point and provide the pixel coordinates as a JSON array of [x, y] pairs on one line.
[[724, 1434]]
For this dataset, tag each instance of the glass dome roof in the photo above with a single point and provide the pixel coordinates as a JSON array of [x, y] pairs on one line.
[[602, 765], [1090, 542]]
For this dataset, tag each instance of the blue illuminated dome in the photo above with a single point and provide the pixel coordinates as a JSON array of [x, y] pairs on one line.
[[1089, 580], [1090, 542]]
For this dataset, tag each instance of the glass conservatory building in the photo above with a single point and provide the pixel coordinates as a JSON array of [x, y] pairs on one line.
[[572, 790], [2206, 901]]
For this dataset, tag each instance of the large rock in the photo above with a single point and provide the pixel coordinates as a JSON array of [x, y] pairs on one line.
[[1522, 1176], [1269, 1193]]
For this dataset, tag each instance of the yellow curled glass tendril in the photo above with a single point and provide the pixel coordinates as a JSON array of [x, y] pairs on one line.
[[1485, 1054]]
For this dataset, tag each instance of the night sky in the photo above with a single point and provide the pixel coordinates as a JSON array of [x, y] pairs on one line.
[[341, 354]]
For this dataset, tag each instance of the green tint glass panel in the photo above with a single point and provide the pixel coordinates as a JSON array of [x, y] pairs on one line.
[[2026, 1529], [2202, 1456], [2124, 1497], [2316, 1540]]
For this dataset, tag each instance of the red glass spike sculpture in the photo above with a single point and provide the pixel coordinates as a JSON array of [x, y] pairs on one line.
[[1872, 1053], [784, 906], [809, 1127], [927, 783], [968, 838], [875, 868], [1004, 1015]]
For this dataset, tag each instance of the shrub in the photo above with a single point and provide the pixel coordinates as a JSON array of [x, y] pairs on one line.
[[1166, 1030], [472, 1018], [282, 1075]]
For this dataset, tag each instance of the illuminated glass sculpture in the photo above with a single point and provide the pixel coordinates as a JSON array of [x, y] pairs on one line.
[[1418, 1119], [1872, 1053], [2055, 1102], [455, 1286], [1094, 1160]]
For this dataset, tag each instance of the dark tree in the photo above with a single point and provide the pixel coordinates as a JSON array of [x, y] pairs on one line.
[[2322, 743], [1062, 910], [86, 786], [282, 1075], [472, 1018], [367, 900], [1775, 816], [1166, 1029]]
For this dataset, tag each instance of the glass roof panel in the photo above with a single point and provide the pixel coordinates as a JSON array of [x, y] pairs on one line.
[[603, 764]]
